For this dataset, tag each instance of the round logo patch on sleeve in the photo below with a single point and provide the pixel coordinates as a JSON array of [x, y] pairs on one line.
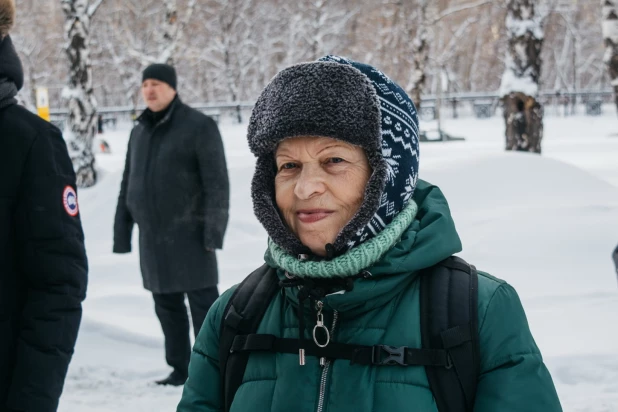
[[69, 200]]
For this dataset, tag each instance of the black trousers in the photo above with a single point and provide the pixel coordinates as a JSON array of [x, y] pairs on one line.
[[172, 313]]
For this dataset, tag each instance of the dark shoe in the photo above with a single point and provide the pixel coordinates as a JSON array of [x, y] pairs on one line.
[[175, 379]]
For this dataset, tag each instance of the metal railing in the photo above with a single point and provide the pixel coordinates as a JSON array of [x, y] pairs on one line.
[[427, 103]]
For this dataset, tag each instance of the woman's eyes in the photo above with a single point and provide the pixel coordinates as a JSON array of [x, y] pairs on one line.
[[292, 165], [288, 166]]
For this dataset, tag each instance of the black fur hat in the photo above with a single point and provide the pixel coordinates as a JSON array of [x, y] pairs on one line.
[[345, 100]]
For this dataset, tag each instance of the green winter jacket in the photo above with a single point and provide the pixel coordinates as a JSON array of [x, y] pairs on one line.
[[380, 310]]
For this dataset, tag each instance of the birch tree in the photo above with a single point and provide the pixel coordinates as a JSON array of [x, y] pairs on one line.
[[610, 36], [420, 22], [158, 39], [137, 33], [324, 24], [172, 30], [228, 50], [81, 101], [523, 113], [420, 54]]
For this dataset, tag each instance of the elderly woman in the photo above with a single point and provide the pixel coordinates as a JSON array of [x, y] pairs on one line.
[[339, 318]]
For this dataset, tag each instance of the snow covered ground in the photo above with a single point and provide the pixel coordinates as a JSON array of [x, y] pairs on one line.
[[545, 224]]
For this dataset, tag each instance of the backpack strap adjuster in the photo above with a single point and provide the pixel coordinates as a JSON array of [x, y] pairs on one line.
[[449, 361], [395, 355]]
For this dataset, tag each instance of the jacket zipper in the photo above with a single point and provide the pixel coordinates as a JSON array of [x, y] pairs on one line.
[[326, 369]]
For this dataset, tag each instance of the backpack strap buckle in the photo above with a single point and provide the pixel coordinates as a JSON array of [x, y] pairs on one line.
[[395, 355]]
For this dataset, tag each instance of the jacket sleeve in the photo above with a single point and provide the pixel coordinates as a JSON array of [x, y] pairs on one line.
[[52, 260], [513, 375], [123, 222], [202, 391], [216, 187]]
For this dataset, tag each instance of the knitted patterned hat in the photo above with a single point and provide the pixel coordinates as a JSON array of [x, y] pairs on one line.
[[346, 100]]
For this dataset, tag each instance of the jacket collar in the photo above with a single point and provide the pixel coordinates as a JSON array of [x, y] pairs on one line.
[[10, 65], [152, 119]]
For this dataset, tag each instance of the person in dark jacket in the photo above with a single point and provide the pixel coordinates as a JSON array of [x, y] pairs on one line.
[[43, 266], [615, 257], [175, 187]]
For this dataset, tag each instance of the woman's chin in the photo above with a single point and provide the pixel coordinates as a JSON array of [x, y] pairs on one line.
[[317, 245]]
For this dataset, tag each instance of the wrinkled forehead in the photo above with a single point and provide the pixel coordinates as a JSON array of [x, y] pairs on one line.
[[313, 144]]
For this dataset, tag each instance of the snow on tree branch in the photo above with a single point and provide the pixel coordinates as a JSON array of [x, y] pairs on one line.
[[522, 112], [458, 9], [92, 9], [79, 94], [523, 59]]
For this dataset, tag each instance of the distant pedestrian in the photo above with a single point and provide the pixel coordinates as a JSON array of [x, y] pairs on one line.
[[100, 123], [175, 187], [104, 146]]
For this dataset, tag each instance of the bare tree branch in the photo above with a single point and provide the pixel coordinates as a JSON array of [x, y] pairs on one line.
[[458, 9], [94, 7]]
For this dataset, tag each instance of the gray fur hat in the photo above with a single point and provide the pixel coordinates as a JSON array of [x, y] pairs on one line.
[[7, 17], [338, 98]]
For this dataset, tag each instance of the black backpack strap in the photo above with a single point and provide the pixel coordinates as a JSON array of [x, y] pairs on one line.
[[449, 320], [242, 316], [377, 355]]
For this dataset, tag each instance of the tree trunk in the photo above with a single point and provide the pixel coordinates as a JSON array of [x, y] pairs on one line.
[[82, 120], [170, 31], [523, 114], [420, 55], [610, 36], [524, 128]]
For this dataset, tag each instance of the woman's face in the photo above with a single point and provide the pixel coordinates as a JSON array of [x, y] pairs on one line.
[[319, 187]]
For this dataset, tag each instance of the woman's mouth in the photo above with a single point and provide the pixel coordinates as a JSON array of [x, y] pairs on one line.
[[313, 215]]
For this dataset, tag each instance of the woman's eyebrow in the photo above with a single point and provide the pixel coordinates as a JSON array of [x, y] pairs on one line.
[[278, 155], [331, 146]]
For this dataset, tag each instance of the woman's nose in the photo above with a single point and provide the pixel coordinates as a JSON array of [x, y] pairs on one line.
[[310, 182]]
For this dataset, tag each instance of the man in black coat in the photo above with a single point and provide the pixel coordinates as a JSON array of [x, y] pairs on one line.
[[43, 267], [175, 187]]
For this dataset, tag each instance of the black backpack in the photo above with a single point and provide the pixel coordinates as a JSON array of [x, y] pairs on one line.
[[449, 328]]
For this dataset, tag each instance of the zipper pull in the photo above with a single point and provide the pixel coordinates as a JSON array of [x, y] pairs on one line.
[[320, 325]]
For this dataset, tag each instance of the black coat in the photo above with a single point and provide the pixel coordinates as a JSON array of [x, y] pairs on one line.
[[43, 267], [175, 187]]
